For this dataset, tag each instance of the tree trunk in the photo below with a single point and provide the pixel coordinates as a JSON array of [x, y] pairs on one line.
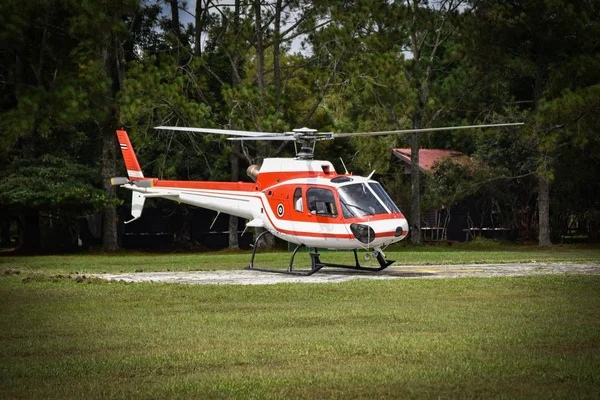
[[266, 242], [415, 180], [198, 29], [5, 235], [544, 211], [31, 238], [276, 52], [175, 17], [235, 55], [5, 228], [543, 182], [109, 218], [260, 50], [235, 146]]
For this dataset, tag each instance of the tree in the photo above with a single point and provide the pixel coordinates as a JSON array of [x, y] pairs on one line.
[[102, 29], [393, 74], [429, 27], [544, 46], [46, 112], [257, 98], [570, 123]]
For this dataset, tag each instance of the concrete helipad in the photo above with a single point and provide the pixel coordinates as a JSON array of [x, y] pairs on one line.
[[245, 277]]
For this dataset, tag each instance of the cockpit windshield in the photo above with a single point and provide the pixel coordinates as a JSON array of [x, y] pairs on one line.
[[358, 201]]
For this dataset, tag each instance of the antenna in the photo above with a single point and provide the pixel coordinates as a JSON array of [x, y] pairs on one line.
[[344, 165]]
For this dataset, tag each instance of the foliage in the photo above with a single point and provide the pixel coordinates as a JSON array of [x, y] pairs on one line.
[[51, 184], [73, 71], [159, 92], [543, 50]]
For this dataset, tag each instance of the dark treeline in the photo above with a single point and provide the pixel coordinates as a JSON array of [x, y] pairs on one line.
[[73, 71]]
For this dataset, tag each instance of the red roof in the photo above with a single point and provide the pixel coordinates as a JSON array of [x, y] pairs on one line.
[[428, 157]]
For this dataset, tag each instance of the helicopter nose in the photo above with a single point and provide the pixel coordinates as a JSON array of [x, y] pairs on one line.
[[377, 233]]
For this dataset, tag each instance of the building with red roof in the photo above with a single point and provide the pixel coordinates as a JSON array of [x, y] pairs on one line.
[[460, 221], [428, 158]]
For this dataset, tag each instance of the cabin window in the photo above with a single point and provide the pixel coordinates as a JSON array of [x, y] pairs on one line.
[[298, 204], [321, 202]]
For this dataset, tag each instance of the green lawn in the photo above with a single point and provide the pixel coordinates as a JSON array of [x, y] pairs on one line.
[[528, 337], [535, 337]]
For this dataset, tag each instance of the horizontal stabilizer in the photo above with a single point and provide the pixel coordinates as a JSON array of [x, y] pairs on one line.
[[144, 183]]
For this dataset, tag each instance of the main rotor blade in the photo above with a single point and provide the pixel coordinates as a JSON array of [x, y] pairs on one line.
[[282, 138], [217, 131], [447, 128]]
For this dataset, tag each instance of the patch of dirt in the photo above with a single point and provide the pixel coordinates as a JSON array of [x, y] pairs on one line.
[[247, 277], [37, 277], [12, 271]]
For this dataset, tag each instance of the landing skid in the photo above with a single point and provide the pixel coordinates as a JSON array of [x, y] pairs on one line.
[[316, 262]]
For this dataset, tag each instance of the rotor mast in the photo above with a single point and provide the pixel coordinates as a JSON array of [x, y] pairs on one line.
[[307, 139]]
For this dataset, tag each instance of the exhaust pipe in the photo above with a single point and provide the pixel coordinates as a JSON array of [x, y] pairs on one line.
[[253, 171]]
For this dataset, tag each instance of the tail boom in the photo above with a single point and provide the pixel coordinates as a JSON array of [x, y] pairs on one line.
[[234, 198]]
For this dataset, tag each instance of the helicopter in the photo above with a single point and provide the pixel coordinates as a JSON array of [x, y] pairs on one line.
[[300, 200]]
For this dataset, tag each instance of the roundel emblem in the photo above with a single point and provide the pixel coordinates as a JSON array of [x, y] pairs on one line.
[[280, 210]]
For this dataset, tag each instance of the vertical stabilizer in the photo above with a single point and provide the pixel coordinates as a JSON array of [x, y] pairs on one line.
[[131, 163]]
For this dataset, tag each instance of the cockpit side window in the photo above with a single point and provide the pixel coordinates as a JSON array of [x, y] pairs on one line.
[[321, 202], [298, 203]]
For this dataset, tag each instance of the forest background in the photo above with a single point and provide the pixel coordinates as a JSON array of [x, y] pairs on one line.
[[72, 72]]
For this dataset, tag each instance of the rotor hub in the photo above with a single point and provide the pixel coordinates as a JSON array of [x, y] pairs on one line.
[[304, 130]]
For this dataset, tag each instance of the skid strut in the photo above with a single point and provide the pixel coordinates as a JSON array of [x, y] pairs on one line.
[[316, 263]]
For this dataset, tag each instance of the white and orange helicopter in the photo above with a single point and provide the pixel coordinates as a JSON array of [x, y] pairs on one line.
[[300, 200]]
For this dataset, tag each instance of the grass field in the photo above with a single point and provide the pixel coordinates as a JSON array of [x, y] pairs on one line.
[[529, 337]]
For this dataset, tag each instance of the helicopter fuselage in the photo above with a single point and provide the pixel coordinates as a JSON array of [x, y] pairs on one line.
[[300, 201]]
